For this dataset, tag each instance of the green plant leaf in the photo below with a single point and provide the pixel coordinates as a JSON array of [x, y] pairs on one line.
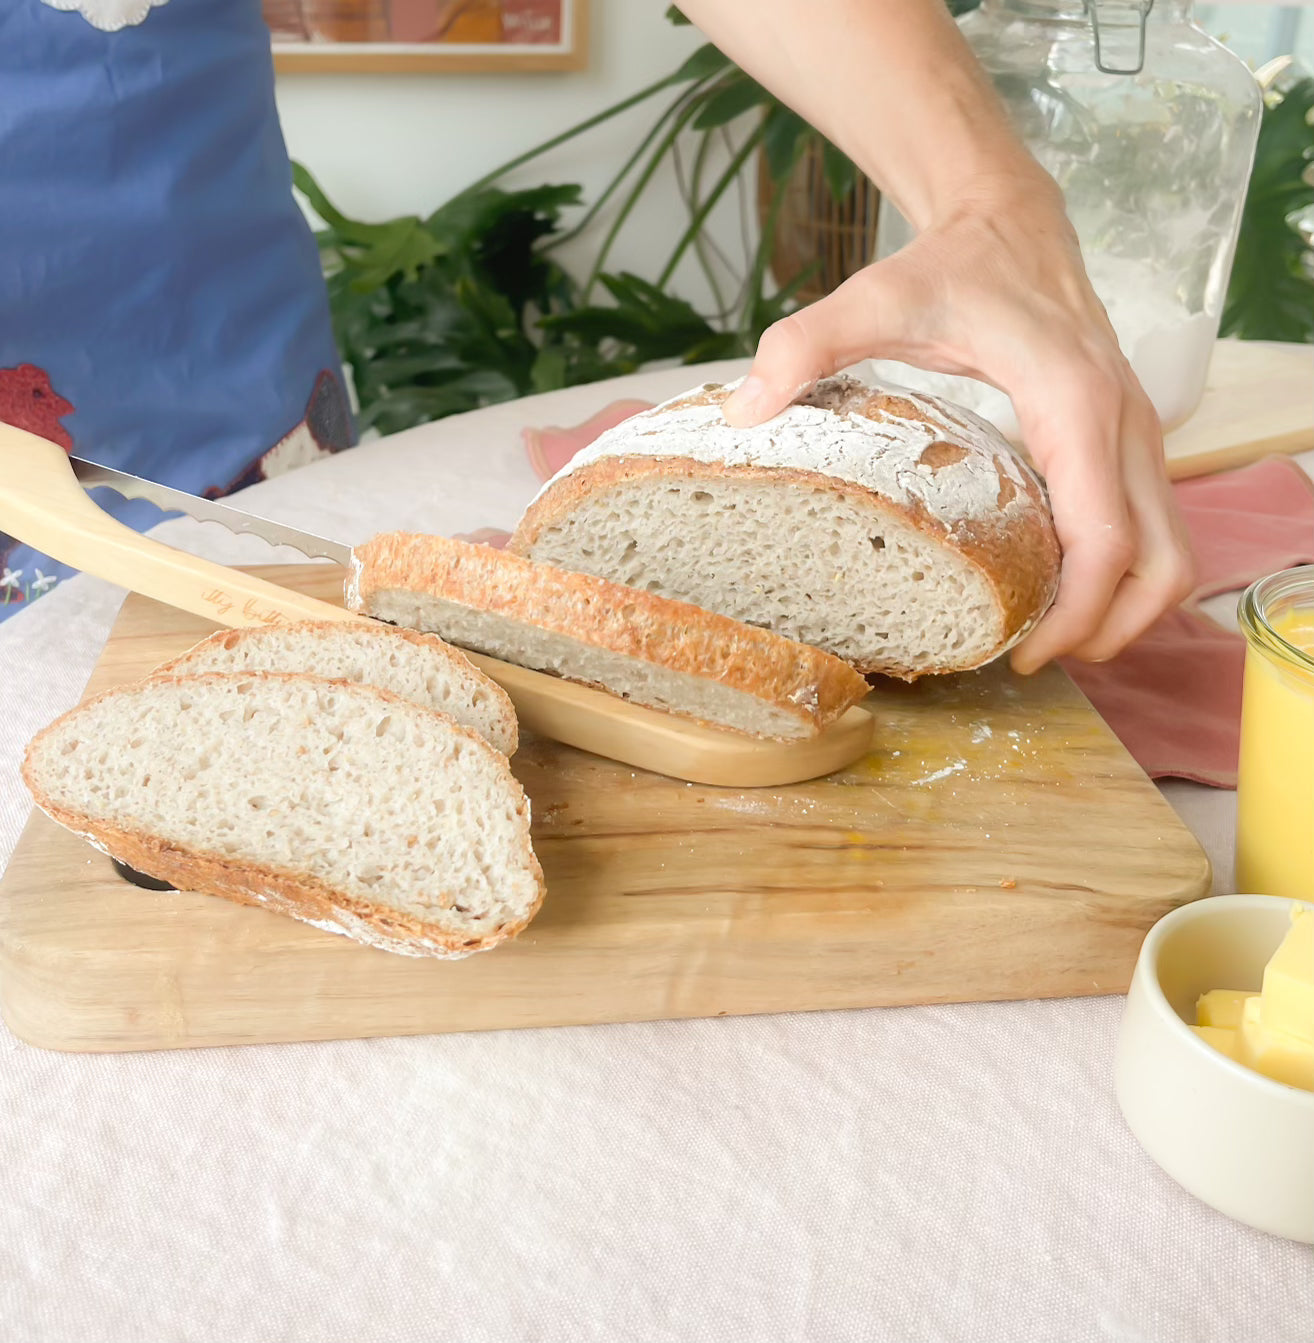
[[730, 98], [719, 188], [550, 369], [598, 324], [467, 307], [691, 193], [417, 405], [464, 218], [768, 309], [403, 250], [686, 110], [719, 345], [749, 324], [507, 249], [672, 109], [431, 366], [436, 319], [841, 176], [397, 246], [674, 16], [1270, 295], [705, 61], [597, 119], [319, 202], [567, 362], [647, 323], [784, 135]]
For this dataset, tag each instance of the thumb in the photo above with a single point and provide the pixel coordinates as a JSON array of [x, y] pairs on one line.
[[812, 343]]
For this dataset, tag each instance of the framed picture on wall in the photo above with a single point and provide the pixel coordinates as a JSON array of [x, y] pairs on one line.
[[428, 35]]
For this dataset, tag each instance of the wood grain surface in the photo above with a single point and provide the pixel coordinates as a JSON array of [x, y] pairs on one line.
[[997, 843], [1258, 400]]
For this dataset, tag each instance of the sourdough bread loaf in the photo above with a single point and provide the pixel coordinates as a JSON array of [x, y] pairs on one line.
[[891, 529], [418, 667], [656, 652], [341, 805]]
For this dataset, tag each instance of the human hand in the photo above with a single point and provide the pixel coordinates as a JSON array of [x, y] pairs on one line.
[[997, 291]]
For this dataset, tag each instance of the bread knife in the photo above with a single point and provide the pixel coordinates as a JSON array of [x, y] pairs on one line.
[[92, 476], [45, 504]]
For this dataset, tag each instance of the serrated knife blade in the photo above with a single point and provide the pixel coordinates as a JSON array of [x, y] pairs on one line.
[[46, 503], [91, 475]]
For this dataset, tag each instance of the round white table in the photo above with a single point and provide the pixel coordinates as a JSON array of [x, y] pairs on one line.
[[940, 1173]]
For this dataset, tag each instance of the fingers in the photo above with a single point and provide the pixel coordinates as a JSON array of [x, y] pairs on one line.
[[1163, 572], [1072, 431], [847, 325], [1126, 559], [991, 309]]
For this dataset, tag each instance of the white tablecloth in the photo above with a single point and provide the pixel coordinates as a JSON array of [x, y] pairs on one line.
[[948, 1173]]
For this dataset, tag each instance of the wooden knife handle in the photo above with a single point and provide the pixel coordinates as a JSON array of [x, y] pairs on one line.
[[43, 505]]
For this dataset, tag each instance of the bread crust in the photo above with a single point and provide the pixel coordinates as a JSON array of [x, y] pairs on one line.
[[506, 714], [1014, 548], [298, 895], [812, 686]]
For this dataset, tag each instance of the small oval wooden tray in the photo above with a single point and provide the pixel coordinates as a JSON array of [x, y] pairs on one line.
[[44, 506]]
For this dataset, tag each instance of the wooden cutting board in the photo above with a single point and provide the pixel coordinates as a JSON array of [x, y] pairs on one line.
[[1258, 400], [997, 843]]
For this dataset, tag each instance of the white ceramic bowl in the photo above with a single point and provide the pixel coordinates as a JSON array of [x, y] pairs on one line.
[[1237, 1140]]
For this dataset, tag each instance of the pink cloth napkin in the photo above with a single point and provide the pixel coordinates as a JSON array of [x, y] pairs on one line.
[[485, 536], [550, 449], [1174, 696]]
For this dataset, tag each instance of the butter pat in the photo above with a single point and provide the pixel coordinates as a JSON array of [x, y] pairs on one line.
[[1275, 1053], [1272, 1031], [1221, 1007], [1225, 1041], [1288, 1002]]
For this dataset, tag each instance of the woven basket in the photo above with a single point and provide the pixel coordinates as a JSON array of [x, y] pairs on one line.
[[838, 237]]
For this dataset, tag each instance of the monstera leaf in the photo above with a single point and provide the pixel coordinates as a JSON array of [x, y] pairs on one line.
[[1271, 293], [470, 306]]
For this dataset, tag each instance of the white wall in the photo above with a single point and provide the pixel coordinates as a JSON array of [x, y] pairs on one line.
[[382, 145], [1258, 32], [391, 144]]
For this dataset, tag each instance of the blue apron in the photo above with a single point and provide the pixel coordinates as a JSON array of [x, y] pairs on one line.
[[162, 308]]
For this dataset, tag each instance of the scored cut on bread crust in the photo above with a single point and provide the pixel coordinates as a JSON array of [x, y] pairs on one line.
[[463, 691], [301, 894], [928, 465], [801, 685]]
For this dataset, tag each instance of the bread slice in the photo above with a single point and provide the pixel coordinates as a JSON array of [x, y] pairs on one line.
[[342, 805], [656, 652], [891, 529], [418, 667]]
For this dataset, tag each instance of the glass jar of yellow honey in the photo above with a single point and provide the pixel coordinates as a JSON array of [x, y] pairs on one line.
[[1275, 779]]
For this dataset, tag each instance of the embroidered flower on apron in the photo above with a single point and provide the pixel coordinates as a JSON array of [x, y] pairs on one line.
[[108, 15]]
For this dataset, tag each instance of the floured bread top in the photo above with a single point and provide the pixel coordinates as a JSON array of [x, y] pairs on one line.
[[912, 448]]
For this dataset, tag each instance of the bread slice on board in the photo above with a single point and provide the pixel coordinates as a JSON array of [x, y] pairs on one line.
[[418, 667], [891, 529], [342, 805], [657, 652]]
